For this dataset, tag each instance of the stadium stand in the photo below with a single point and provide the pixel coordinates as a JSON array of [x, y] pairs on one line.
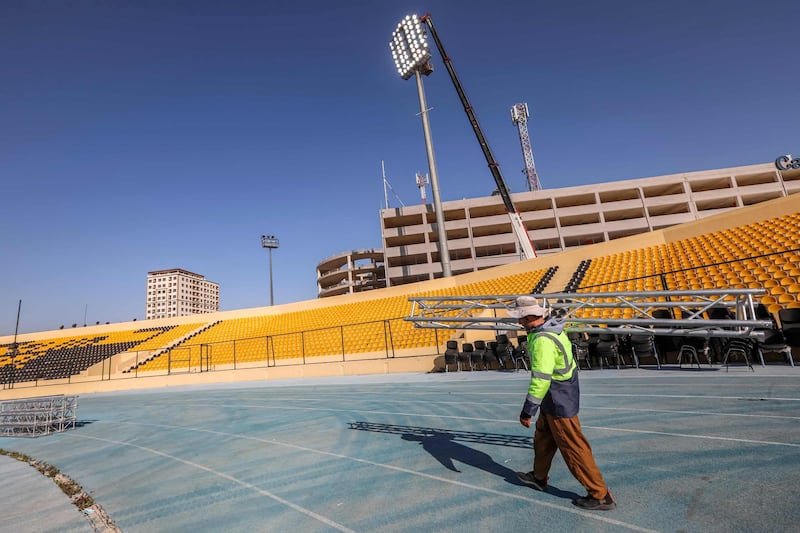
[[760, 255], [756, 246], [62, 357], [368, 327]]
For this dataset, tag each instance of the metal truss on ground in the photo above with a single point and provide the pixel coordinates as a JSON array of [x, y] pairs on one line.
[[34, 417], [582, 311]]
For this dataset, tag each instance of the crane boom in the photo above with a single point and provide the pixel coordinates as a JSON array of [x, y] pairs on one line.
[[525, 243]]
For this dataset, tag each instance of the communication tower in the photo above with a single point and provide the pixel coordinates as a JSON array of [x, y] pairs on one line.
[[519, 116], [422, 181]]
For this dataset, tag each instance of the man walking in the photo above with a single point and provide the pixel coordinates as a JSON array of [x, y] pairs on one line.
[[555, 394]]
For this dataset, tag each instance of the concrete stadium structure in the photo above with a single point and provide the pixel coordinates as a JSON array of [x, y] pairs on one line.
[[479, 233], [351, 272]]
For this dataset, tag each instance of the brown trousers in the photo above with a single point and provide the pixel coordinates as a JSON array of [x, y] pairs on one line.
[[565, 434]]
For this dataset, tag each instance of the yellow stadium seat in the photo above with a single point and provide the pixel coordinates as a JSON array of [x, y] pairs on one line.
[[793, 289], [768, 300], [777, 290]]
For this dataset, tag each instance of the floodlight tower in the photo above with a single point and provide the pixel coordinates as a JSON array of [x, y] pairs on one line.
[[519, 116], [409, 46], [13, 351], [270, 242]]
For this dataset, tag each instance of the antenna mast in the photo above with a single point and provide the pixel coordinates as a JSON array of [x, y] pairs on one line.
[[386, 187], [422, 181], [519, 116], [14, 348]]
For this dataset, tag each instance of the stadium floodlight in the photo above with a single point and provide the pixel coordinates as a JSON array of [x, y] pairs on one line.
[[409, 46], [269, 242]]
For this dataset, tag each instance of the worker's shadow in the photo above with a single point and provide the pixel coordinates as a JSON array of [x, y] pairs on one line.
[[442, 446]]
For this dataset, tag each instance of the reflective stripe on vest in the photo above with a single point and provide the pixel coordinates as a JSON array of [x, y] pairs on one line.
[[567, 366]]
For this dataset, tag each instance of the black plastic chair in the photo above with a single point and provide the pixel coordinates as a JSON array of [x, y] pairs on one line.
[[479, 355], [504, 351], [465, 355], [520, 353], [490, 356], [665, 344], [691, 347], [790, 318], [774, 341], [644, 345], [717, 345], [451, 356], [606, 347], [580, 348], [790, 327], [738, 347]]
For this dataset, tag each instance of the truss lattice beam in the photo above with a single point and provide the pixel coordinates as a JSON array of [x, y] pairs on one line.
[[491, 312]]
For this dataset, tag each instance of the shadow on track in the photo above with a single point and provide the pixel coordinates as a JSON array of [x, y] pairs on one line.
[[442, 445]]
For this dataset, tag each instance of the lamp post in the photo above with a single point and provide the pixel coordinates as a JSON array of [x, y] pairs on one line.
[[409, 46], [269, 242], [13, 350]]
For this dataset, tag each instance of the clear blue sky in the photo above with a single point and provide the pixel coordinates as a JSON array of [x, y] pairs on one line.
[[252, 117]]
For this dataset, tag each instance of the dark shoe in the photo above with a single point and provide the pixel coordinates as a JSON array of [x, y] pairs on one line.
[[593, 504], [532, 482]]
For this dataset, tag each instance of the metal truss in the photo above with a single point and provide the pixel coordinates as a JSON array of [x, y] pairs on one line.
[[34, 417], [578, 309]]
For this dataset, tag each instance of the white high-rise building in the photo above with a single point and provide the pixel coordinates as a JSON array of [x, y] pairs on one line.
[[178, 292]]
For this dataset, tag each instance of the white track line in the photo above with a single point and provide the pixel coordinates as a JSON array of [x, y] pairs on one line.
[[700, 396], [584, 407], [599, 394], [245, 484], [628, 395], [710, 437], [579, 512], [677, 412], [424, 415]]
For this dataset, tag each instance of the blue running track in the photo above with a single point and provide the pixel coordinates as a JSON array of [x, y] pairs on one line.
[[683, 450]]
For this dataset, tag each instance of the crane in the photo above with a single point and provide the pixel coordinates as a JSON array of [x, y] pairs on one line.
[[525, 243], [519, 116]]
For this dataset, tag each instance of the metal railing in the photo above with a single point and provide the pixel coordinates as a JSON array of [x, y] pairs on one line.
[[375, 340]]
